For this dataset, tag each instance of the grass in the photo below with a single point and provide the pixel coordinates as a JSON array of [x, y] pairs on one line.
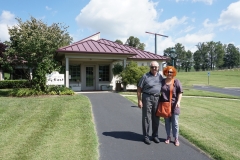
[[55, 127], [214, 127], [194, 92], [227, 78]]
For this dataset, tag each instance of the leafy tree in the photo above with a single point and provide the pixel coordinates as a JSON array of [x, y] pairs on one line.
[[187, 61], [119, 41], [167, 54], [3, 62], [117, 69], [204, 57], [183, 60], [212, 54], [231, 57], [34, 44], [2, 49], [135, 42], [219, 50], [197, 60], [132, 73]]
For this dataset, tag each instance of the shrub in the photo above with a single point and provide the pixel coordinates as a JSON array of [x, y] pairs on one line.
[[51, 90], [7, 84]]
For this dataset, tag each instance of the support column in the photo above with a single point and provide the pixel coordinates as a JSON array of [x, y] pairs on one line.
[[30, 70], [67, 72], [1, 75], [124, 66], [124, 63]]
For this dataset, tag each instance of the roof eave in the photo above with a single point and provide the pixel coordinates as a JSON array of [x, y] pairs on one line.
[[82, 52]]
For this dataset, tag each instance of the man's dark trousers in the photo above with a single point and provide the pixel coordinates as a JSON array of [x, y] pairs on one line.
[[150, 103]]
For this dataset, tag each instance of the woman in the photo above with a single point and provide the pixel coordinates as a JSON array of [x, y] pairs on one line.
[[171, 122]]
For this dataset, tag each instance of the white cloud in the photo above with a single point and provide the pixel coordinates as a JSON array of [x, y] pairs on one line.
[[7, 19], [124, 18], [230, 18], [188, 29], [119, 17], [190, 40], [48, 8], [208, 2]]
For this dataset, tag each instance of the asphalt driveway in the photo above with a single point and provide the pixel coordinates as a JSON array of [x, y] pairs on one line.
[[118, 125], [230, 91]]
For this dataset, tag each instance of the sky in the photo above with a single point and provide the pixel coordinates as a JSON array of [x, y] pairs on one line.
[[188, 22]]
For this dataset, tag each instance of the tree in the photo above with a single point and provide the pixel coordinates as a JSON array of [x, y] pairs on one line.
[[117, 69], [119, 41], [34, 44], [2, 49], [3, 62], [167, 54], [218, 60], [231, 57], [197, 60], [187, 61], [183, 60], [132, 73], [204, 57], [135, 42]]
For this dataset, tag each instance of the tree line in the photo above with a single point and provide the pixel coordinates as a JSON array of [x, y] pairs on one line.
[[208, 56]]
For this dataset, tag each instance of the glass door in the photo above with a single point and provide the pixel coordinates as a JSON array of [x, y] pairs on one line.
[[90, 78]]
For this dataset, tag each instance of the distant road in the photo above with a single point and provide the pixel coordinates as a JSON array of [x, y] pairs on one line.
[[230, 91]]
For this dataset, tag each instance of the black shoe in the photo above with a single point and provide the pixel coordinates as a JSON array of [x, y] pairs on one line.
[[147, 141], [156, 140]]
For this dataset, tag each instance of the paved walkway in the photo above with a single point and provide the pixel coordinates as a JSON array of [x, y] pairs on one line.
[[230, 91], [118, 125]]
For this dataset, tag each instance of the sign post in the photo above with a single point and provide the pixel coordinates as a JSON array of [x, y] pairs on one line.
[[208, 77]]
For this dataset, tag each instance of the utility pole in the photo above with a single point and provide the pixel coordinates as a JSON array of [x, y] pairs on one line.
[[156, 39]]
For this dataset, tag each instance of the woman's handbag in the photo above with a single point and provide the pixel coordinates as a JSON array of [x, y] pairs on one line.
[[164, 108]]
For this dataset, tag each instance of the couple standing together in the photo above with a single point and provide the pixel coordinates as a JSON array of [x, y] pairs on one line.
[[152, 89]]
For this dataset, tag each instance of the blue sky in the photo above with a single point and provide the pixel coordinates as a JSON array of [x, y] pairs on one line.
[[184, 21]]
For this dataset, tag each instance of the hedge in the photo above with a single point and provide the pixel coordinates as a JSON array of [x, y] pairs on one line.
[[5, 84]]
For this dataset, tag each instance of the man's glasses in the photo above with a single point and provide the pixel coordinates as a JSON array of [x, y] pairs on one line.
[[170, 72], [152, 67]]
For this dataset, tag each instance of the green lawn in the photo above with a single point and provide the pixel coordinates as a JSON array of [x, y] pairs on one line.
[[55, 127], [227, 78]]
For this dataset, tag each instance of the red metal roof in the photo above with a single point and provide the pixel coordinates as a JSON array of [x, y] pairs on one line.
[[103, 46], [140, 54], [92, 46]]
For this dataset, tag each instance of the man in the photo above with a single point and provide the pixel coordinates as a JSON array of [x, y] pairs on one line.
[[150, 86]]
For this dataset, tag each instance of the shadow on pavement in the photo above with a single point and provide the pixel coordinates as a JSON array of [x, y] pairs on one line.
[[135, 106], [127, 135]]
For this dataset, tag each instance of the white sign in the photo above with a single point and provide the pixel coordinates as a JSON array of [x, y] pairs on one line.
[[55, 78]]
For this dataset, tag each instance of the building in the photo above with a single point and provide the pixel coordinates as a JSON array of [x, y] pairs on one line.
[[89, 62]]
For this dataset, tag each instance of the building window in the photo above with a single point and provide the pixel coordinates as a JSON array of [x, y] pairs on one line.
[[75, 72], [104, 73]]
